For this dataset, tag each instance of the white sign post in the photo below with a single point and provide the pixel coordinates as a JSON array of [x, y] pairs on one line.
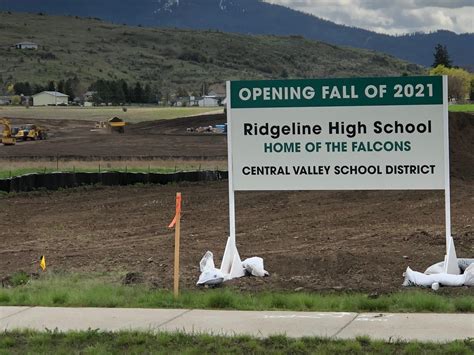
[[337, 134]]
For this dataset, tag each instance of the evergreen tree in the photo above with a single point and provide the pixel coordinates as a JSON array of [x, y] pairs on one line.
[[72, 87], [68, 89], [18, 88], [38, 88], [28, 89], [103, 92], [148, 94], [441, 56], [22, 89], [117, 94], [61, 86], [138, 95], [126, 91], [51, 86]]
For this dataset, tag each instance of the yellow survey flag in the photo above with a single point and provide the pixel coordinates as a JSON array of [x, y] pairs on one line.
[[43, 262]]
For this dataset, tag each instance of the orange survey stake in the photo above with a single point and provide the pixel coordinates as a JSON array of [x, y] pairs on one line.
[[178, 210]]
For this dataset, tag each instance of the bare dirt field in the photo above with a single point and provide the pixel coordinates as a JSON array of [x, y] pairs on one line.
[[78, 139], [315, 240]]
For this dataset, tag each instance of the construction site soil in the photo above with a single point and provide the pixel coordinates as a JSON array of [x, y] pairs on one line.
[[164, 139], [309, 240]]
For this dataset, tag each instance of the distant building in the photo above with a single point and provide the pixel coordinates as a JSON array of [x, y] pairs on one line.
[[5, 100], [209, 101], [187, 101], [194, 100], [218, 89], [88, 98], [50, 98], [218, 92], [26, 45]]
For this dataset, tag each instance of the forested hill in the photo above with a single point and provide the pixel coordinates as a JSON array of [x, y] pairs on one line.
[[254, 17]]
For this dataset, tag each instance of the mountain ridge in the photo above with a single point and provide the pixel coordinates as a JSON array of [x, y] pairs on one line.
[[256, 17]]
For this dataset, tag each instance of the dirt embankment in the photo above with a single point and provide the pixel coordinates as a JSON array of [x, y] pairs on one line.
[[461, 145], [318, 240]]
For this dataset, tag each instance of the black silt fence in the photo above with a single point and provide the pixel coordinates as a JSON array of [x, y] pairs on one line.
[[55, 181], [5, 185]]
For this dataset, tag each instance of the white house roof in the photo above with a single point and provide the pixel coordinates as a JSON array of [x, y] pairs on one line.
[[52, 93]]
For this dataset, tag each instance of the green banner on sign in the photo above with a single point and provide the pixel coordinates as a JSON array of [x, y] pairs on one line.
[[417, 90]]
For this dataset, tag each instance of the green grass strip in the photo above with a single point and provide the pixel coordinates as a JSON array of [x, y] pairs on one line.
[[461, 108], [96, 342], [77, 290]]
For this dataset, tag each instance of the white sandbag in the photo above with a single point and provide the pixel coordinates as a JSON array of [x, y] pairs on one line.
[[464, 263], [469, 275], [438, 268], [414, 278], [211, 277], [209, 274], [254, 266], [207, 261]]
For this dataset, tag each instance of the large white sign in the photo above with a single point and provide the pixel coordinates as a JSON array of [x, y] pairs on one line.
[[338, 134]]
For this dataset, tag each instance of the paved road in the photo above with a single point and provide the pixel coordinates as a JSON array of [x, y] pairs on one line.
[[343, 325]]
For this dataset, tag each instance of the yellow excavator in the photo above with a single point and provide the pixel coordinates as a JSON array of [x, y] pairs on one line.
[[31, 132], [7, 137]]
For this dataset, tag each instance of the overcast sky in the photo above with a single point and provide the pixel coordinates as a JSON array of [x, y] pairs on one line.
[[392, 16]]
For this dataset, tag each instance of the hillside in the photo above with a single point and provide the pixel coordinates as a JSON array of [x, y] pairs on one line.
[[170, 58], [254, 17]]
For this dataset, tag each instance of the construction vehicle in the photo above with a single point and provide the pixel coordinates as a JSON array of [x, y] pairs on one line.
[[7, 137], [100, 125], [117, 125], [31, 132], [114, 124]]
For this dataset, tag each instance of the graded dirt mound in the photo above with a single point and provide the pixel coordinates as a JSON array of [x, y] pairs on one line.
[[461, 143]]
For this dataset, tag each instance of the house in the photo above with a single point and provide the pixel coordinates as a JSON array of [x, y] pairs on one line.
[[194, 100], [50, 98], [26, 45], [88, 98], [209, 101], [5, 100], [188, 101], [218, 90]]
